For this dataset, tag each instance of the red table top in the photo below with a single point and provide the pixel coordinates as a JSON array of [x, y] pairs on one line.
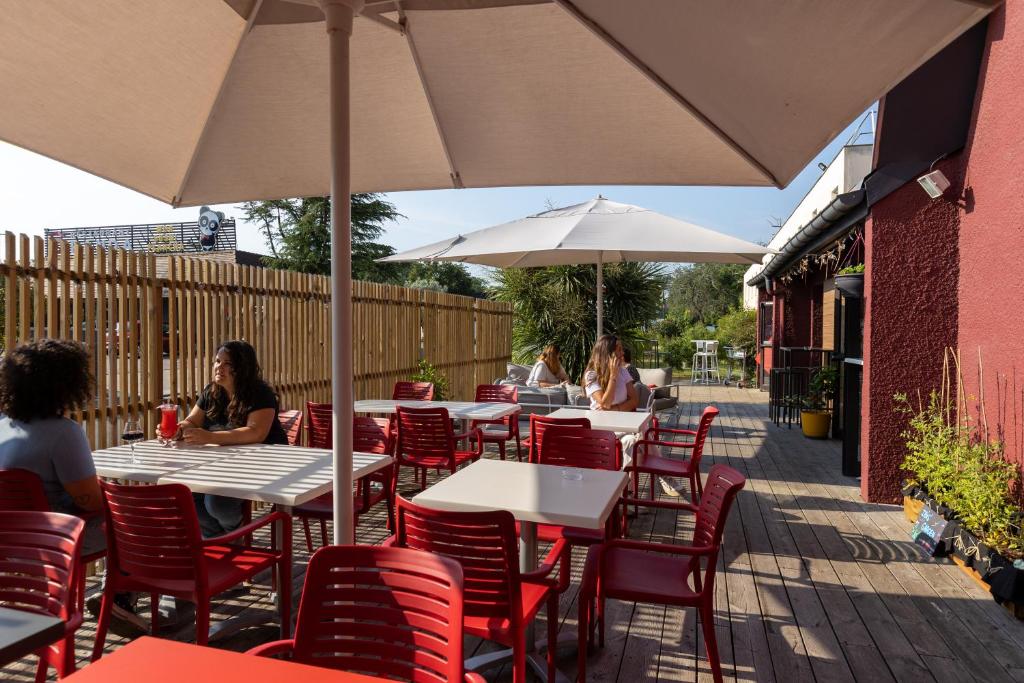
[[153, 660]]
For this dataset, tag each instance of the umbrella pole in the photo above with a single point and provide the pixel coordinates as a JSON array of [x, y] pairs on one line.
[[339, 15], [600, 296]]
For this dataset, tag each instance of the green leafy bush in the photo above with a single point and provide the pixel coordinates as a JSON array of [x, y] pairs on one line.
[[963, 471], [852, 270], [428, 373], [738, 328]]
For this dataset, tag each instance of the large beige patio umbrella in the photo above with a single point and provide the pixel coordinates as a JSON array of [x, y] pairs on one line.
[[205, 101], [598, 231]]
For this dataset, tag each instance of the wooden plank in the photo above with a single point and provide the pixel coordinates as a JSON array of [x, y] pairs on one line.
[[10, 292]]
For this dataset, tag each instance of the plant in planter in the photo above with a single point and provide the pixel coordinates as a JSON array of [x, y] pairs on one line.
[[850, 281], [815, 417], [429, 373]]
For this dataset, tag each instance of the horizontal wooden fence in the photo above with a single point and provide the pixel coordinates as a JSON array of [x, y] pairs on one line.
[[152, 338]]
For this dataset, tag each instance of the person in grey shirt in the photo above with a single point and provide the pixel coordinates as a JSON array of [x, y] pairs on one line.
[[41, 383]]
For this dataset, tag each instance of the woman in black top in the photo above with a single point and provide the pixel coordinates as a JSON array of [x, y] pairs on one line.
[[236, 408]]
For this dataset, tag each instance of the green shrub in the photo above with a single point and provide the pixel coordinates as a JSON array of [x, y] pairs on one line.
[[852, 270], [428, 373], [963, 471]]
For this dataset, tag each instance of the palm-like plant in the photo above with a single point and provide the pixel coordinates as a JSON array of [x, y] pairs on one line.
[[558, 305]]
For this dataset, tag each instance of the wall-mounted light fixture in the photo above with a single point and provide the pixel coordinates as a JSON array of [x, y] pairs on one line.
[[934, 183], [822, 165]]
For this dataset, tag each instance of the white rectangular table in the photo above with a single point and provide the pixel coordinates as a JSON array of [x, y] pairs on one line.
[[533, 494], [154, 460], [617, 421], [461, 410]]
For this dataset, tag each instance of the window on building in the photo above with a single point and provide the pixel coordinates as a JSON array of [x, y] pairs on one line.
[[767, 321]]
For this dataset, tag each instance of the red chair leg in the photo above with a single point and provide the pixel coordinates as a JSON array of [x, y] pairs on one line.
[[285, 595], [42, 669], [552, 619], [501, 449], [323, 532], [103, 622], [707, 622], [582, 637], [309, 537], [154, 613], [519, 658], [203, 621]]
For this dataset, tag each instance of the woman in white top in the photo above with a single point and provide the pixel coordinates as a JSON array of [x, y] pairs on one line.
[[548, 370], [608, 384]]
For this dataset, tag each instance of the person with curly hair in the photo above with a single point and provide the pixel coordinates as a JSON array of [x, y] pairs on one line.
[[237, 407], [41, 384]]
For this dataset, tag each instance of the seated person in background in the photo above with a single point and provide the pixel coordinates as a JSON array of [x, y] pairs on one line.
[[608, 384], [627, 358], [237, 407], [41, 384], [548, 370]]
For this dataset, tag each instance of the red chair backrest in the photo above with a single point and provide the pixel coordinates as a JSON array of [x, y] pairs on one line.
[[723, 483], [320, 434], [483, 543], [291, 422], [39, 554], [703, 427], [497, 393], [371, 434], [539, 423], [569, 446], [22, 490], [413, 391], [424, 434], [153, 532], [391, 612]]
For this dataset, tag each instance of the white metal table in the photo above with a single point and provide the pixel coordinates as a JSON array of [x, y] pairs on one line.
[[534, 494], [461, 410]]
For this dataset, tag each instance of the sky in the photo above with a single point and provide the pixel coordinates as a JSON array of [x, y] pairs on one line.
[[38, 193]]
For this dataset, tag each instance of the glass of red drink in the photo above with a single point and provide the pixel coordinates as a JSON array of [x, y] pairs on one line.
[[168, 421]]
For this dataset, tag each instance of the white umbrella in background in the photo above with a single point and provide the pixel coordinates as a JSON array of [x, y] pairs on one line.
[[210, 101], [597, 231]]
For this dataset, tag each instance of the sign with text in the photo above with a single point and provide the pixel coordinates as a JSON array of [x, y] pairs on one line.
[[928, 528]]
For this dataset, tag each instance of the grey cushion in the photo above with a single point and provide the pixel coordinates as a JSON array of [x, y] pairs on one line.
[[518, 373], [657, 376]]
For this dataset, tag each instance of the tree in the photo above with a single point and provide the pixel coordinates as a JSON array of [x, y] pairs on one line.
[[298, 233], [738, 328], [444, 276], [704, 292], [557, 305]]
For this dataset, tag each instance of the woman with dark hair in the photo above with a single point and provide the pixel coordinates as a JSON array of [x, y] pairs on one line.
[[237, 407], [607, 383], [41, 384]]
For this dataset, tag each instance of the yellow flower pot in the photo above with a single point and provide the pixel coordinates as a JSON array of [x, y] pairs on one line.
[[815, 423]]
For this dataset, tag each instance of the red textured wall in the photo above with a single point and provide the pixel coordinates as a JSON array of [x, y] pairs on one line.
[[911, 286], [992, 233], [946, 272]]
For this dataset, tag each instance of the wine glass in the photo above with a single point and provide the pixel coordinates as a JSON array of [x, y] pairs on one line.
[[131, 433]]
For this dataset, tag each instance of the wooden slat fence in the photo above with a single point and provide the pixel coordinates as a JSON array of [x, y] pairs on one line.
[[152, 338]]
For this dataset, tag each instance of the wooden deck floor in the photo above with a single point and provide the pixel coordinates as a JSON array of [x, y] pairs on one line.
[[814, 584]]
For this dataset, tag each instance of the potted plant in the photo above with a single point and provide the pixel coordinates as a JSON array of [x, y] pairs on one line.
[[815, 417], [850, 281]]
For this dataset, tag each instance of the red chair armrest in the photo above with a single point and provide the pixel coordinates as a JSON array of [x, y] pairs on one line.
[[253, 526], [672, 430], [663, 504], [274, 647], [390, 542], [671, 444], [540, 575], [662, 547], [474, 678]]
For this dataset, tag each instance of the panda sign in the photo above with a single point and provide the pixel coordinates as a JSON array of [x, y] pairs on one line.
[[209, 225]]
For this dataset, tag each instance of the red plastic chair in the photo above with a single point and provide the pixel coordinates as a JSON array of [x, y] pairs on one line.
[[499, 393], [538, 423], [319, 430], [291, 422], [647, 460], [413, 391], [39, 561], [22, 490], [499, 600], [369, 435], [391, 612], [155, 546], [662, 573], [426, 439]]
